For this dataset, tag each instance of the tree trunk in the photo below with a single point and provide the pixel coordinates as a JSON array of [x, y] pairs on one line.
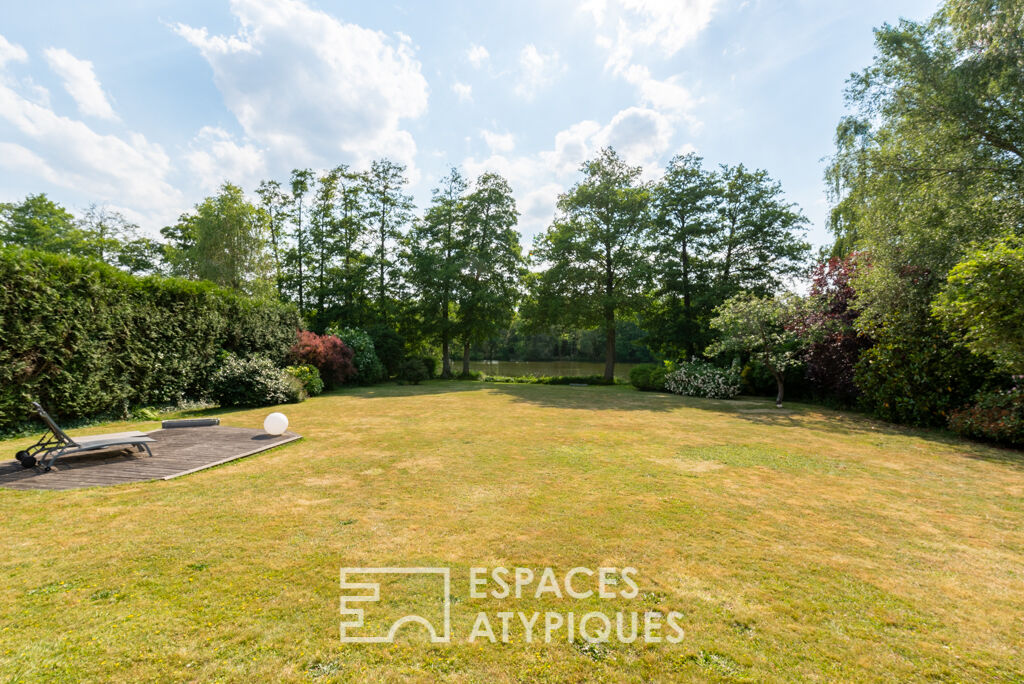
[[609, 345], [302, 256], [691, 347], [780, 383], [446, 355], [727, 265], [465, 358]]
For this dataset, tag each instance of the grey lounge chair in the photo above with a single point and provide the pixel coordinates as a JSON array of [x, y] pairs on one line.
[[55, 443]]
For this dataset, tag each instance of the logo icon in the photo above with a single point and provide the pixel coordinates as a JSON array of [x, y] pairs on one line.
[[358, 592]]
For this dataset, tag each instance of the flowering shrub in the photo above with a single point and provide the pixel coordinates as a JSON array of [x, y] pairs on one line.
[[994, 417], [330, 356], [702, 379], [369, 369], [255, 381], [309, 376]]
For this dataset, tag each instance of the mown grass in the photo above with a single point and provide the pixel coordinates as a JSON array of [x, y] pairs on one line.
[[799, 544]]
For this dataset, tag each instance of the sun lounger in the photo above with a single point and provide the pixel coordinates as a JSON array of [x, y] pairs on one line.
[[56, 443]]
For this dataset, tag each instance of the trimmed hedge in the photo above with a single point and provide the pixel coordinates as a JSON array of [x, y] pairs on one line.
[[85, 339]]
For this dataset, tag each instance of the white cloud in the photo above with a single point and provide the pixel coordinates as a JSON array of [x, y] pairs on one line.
[[464, 91], [666, 24], [214, 157], [312, 89], [81, 83], [125, 169], [9, 52], [69, 154], [537, 70], [668, 95], [477, 55], [596, 8], [499, 142], [641, 135]]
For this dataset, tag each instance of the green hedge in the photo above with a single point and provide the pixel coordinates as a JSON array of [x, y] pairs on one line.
[[85, 339]]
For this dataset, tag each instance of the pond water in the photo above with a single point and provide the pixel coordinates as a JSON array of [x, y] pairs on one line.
[[547, 368]]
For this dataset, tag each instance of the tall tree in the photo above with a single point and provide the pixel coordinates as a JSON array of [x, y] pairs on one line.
[[435, 256], [932, 158], [492, 263], [38, 222], [105, 232], [274, 201], [686, 200], [352, 216], [179, 248], [929, 163], [759, 235], [322, 227], [298, 255], [141, 255], [223, 241], [596, 252], [389, 209]]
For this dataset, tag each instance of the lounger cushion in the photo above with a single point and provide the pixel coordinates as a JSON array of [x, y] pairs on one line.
[[107, 437]]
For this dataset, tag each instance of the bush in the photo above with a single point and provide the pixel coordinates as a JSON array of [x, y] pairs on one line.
[[255, 381], [993, 417], [648, 377], [413, 371], [328, 354], [309, 376], [430, 363], [369, 369], [85, 339], [390, 347], [918, 379], [702, 379]]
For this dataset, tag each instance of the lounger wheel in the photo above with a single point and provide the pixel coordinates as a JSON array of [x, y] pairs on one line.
[[26, 459]]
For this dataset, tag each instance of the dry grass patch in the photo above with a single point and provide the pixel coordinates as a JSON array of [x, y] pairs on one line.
[[799, 545]]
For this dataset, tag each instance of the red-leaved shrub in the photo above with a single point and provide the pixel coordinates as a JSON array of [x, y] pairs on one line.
[[993, 417], [330, 356], [826, 324]]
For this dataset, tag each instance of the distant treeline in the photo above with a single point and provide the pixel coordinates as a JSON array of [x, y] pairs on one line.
[[913, 312]]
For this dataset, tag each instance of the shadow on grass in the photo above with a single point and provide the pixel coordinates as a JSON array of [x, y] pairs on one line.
[[755, 410], [589, 397], [816, 418]]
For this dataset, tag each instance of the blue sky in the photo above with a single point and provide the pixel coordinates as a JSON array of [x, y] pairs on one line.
[[147, 107]]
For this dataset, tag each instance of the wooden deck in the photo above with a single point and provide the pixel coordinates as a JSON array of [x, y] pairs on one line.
[[176, 452]]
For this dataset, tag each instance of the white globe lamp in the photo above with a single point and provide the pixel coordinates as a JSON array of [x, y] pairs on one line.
[[275, 424]]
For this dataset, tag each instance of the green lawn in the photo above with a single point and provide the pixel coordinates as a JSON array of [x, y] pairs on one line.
[[799, 544]]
